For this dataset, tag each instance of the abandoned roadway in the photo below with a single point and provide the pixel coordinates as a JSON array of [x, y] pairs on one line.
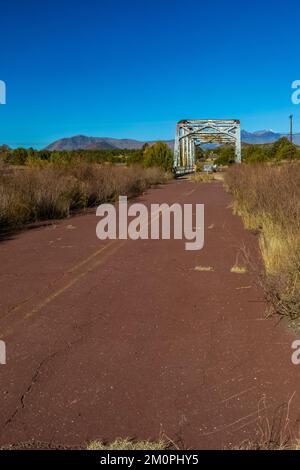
[[126, 338]]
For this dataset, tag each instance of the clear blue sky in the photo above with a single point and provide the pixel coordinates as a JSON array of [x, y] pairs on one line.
[[128, 68]]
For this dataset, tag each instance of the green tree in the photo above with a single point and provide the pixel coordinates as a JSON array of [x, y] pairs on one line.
[[18, 156], [137, 156], [159, 155], [284, 149], [226, 155]]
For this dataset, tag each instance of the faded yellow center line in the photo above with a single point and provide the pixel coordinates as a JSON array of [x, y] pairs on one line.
[[78, 265], [37, 308], [73, 281], [16, 308], [84, 262], [89, 258], [190, 192]]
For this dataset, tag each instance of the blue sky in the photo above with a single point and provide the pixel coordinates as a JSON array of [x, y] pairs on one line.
[[128, 68]]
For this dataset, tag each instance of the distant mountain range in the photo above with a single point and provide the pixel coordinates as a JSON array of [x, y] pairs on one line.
[[260, 137], [266, 136], [81, 142], [104, 143]]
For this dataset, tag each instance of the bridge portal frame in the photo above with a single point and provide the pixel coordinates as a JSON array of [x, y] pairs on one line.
[[190, 133]]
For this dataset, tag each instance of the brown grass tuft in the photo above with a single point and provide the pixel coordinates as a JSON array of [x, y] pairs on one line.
[[128, 444]]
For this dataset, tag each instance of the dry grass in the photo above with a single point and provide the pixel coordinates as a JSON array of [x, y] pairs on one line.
[[204, 268], [203, 178], [238, 270], [268, 199], [274, 433], [128, 444], [53, 192]]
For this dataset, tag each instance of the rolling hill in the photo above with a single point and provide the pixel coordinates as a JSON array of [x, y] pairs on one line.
[[82, 142]]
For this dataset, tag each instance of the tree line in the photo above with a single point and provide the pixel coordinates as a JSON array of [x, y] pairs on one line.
[[159, 155], [280, 150]]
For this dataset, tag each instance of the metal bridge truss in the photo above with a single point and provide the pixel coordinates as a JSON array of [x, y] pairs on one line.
[[190, 133]]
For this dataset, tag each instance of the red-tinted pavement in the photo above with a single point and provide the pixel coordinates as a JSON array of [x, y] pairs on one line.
[[126, 338]]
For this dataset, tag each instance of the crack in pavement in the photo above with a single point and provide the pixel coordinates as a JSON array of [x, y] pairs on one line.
[[34, 380]]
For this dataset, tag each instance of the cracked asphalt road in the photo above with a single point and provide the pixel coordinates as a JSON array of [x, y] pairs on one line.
[[127, 338]]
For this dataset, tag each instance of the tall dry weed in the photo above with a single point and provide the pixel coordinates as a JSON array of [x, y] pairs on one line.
[[268, 199], [53, 191]]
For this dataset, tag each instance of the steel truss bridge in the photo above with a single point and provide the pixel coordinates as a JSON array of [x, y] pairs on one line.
[[195, 132]]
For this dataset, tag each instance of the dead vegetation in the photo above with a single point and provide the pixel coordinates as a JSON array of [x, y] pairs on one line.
[[238, 269], [202, 177], [204, 268], [275, 432], [128, 444], [268, 199], [54, 191]]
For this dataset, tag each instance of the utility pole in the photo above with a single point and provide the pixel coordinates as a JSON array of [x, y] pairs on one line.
[[291, 128]]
